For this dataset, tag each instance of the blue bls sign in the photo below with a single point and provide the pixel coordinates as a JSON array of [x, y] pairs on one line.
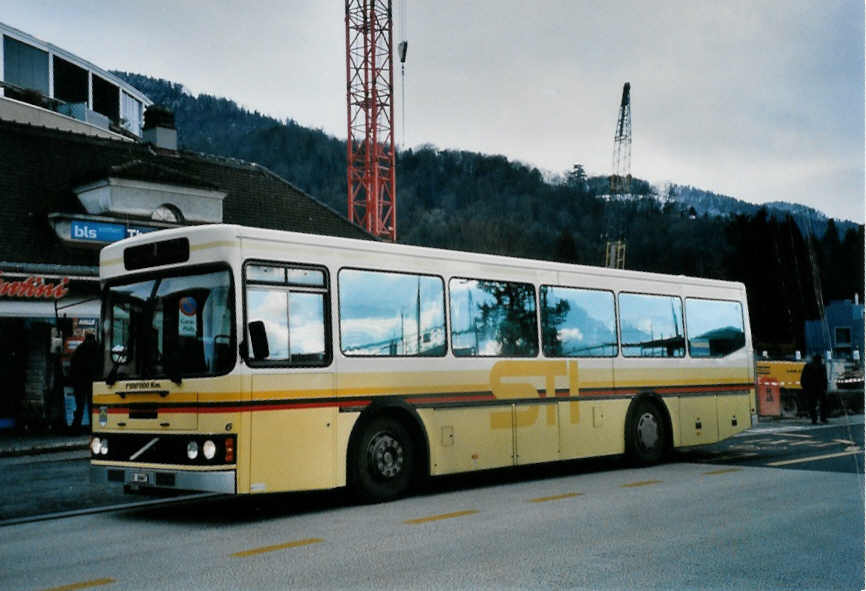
[[104, 231]]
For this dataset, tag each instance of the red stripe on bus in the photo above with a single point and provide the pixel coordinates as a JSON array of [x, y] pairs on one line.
[[253, 406], [246, 407], [435, 399]]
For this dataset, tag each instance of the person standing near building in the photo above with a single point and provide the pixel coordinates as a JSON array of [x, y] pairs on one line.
[[82, 369], [813, 380]]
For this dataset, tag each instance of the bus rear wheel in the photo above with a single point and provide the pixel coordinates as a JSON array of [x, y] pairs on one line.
[[645, 434], [383, 461]]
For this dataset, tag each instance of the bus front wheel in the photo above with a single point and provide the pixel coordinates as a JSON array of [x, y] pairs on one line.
[[646, 433], [383, 460]]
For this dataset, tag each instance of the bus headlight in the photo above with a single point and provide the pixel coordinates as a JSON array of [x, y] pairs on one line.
[[95, 445], [192, 450], [209, 449], [103, 446]]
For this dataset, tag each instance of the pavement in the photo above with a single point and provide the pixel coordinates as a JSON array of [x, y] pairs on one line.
[[25, 444], [18, 444]]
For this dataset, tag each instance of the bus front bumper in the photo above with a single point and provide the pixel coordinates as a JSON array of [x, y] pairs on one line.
[[221, 481]]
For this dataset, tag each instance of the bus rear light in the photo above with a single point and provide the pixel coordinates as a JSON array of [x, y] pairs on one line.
[[230, 450]]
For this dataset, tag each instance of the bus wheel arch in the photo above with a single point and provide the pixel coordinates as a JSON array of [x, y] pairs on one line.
[[388, 452], [648, 430]]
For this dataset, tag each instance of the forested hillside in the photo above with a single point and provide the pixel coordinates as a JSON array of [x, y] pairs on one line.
[[469, 201], [808, 219]]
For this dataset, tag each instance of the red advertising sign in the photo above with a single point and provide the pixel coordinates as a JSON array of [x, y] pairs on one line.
[[34, 287]]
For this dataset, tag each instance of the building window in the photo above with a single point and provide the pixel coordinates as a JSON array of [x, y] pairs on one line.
[[577, 322], [25, 65], [715, 327], [70, 82], [843, 336], [493, 318], [391, 314], [106, 99], [166, 213], [651, 325], [131, 113]]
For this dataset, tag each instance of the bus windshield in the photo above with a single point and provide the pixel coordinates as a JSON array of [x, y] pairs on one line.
[[172, 326]]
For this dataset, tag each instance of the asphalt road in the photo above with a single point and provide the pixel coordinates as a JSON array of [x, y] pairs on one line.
[[834, 447], [770, 509]]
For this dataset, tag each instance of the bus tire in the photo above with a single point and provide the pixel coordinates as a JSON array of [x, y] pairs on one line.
[[383, 460], [646, 433]]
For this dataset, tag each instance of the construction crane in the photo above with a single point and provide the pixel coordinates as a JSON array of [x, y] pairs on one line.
[[370, 167], [620, 179], [402, 48], [614, 254]]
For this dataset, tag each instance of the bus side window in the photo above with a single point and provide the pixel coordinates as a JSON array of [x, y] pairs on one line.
[[286, 315], [492, 318], [651, 325], [268, 308], [577, 322], [715, 327], [391, 314]]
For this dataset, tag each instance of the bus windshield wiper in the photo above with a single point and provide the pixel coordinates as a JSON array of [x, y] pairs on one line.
[[173, 369]]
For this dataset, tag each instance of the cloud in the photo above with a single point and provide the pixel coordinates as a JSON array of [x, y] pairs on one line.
[[724, 95]]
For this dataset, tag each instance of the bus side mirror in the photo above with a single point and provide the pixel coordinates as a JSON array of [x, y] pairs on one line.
[[259, 339], [118, 355]]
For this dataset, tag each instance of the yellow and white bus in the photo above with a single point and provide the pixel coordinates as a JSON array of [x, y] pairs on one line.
[[243, 360]]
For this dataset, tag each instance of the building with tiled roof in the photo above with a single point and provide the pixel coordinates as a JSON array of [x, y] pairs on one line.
[[69, 186]]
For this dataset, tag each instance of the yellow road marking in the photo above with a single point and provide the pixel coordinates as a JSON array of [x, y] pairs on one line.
[[725, 471], [849, 452], [438, 517], [275, 547], [643, 483], [555, 497], [82, 585]]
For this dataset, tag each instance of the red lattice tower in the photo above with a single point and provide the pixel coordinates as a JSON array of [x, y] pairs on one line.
[[370, 101]]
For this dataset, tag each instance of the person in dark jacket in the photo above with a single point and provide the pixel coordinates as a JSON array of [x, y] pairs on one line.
[[813, 380], [82, 370]]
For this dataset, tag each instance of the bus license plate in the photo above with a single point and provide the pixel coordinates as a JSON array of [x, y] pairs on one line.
[[139, 477]]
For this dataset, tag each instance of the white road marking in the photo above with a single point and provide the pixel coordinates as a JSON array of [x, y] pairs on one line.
[[816, 458]]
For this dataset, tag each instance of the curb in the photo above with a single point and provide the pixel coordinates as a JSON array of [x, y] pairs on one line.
[[42, 449]]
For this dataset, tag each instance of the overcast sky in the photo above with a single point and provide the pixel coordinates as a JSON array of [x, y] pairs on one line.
[[759, 100]]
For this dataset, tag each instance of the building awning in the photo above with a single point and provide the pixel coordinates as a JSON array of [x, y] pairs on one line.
[[72, 307]]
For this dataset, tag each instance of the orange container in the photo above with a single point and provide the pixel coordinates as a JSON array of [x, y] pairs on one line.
[[769, 397]]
